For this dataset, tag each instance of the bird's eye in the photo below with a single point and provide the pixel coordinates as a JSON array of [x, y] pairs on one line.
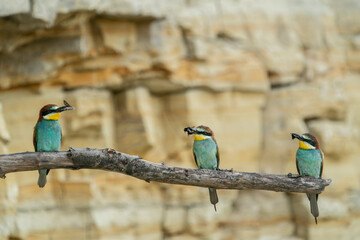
[[311, 142], [46, 112]]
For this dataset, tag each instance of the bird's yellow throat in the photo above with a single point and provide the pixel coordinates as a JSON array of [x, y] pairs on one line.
[[305, 145], [54, 116], [198, 137]]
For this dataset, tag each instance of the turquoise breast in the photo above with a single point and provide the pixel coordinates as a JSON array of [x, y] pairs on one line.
[[205, 152], [48, 135], [309, 162]]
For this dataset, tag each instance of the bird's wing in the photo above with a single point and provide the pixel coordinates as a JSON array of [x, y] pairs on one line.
[[297, 167], [217, 154], [195, 159], [322, 163], [34, 137]]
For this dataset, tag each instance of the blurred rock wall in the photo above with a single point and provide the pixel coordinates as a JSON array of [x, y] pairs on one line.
[[138, 72]]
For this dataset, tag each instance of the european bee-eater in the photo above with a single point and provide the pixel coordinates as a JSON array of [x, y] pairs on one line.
[[206, 153], [47, 133], [309, 162]]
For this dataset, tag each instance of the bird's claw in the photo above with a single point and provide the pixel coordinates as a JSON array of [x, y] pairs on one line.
[[290, 175], [225, 170]]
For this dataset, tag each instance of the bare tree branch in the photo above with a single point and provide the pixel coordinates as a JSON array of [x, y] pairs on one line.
[[111, 160]]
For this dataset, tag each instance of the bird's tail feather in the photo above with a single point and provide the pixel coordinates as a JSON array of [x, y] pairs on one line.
[[213, 197], [42, 177], [314, 205]]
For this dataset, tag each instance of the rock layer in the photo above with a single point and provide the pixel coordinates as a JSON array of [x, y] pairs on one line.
[[138, 72]]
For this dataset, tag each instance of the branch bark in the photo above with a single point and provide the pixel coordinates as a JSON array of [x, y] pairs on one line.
[[111, 160]]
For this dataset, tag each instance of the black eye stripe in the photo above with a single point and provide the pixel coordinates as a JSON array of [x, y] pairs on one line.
[[311, 142], [46, 112], [49, 111], [204, 133]]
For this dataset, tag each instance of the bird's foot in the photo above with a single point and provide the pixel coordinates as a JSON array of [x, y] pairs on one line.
[[225, 170], [290, 175]]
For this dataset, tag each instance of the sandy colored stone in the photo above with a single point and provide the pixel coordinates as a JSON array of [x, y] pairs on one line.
[[174, 219], [226, 206], [10, 193], [352, 230], [173, 194], [4, 133], [332, 208], [353, 57], [102, 71], [346, 14], [257, 206], [91, 123], [224, 73], [138, 72], [201, 219], [148, 221], [39, 220], [76, 194], [40, 236], [45, 10], [70, 234], [120, 234], [98, 78], [130, 125], [107, 217], [329, 230], [119, 36], [342, 172], [335, 137], [321, 63], [30, 196], [150, 236], [14, 7], [281, 230], [36, 61], [7, 222], [106, 194], [353, 201], [283, 64], [182, 237]]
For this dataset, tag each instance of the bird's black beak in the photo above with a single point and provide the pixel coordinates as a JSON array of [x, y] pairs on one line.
[[64, 108], [298, 136], [189, 130]]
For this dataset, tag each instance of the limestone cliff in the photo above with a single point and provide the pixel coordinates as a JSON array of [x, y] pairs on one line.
[[138, 72]]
